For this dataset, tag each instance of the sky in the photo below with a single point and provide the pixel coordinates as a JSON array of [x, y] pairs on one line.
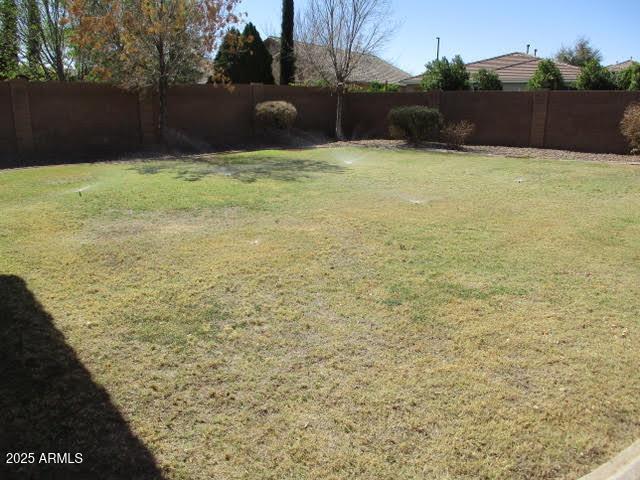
[[478, 29]]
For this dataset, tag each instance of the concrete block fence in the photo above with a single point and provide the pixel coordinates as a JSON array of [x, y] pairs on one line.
[[42, 120]]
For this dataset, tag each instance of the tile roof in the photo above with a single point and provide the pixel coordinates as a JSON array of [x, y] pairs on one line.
[[617, 67], [369, 69], [515, 67]]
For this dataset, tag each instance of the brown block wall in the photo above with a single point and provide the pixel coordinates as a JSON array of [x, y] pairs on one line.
[[64, 120], [211, 114], [8, 147], [78, 118], [587, 121], [501, 118], [316, 107], [366, 113]]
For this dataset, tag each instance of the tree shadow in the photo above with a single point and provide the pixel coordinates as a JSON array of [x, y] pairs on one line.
[[49, 402], [247, 170]]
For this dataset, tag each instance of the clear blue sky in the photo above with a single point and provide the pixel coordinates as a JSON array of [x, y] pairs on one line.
[[478, 29]]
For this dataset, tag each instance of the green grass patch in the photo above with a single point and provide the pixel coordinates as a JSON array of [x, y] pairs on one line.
[[345, 313]]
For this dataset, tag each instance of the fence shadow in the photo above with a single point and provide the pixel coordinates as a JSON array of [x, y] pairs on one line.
[[247, 170], [49, 403]]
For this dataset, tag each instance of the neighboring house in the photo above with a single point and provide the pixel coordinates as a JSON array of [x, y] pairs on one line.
[[514, 69], [618, 67], [369, 69]]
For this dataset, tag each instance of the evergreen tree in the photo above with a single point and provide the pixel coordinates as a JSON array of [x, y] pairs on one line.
[[546, 77], [446, 75], [33, 38], [594, 76], [243, 58], [485, 79], [287, 54], [226, 62], [629, 78], [9, 49], [255, 61]]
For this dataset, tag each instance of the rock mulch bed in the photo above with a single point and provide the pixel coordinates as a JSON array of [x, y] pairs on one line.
[[515, 152]]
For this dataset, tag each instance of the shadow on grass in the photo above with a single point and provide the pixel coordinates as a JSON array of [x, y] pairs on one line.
[[49, 403], [248, 170]]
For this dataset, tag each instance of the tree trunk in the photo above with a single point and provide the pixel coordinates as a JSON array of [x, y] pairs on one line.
[[339, 113], [162, 96], [162, 119]]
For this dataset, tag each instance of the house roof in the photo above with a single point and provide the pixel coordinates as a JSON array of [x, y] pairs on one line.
[[617, 67], [515, 67], [369, 69]]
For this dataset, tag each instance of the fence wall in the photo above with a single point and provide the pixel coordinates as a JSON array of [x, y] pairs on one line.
[[41, 120]]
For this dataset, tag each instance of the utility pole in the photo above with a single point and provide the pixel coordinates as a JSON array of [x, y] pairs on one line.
[[438, 49]]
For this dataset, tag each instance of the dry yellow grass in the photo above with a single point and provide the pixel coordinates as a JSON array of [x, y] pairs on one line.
[[346, 313]]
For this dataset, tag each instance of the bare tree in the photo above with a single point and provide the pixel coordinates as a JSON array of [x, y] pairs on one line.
[[334, 36]]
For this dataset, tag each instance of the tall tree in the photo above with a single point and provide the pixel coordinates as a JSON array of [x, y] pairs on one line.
[[151, 43], [243, 58], [594, 76], [55, 32], [256, 62], [336, 35], [546, 77], [227, 59], [579, 54], [287, 51], [33, 38], [9, 44], [446, 75]]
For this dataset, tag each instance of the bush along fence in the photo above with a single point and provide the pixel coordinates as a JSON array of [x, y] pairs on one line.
[[45, 120]]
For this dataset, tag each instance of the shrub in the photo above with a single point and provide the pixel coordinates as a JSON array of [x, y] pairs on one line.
[[485, 79], [415, 123], [377, 87], [457, 133], [594, 76], [445, 75], [629, 78], [546, 77], [279, 115], [630, 126]]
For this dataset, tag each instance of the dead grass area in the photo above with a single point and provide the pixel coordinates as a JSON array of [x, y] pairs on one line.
[[327, 313]]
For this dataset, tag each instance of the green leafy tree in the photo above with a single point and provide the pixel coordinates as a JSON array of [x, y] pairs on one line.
[[594, 76], [485, 79], [581, 53], [629, 78], [254, 60], [546, 77], [287, 54], [9, 44], [446, 75]]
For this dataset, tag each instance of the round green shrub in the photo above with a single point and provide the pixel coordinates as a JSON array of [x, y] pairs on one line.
[[415, 123], [278, 115]]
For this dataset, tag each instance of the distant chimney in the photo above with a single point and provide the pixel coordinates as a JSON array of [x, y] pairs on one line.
[[528, 46], [535, 52]]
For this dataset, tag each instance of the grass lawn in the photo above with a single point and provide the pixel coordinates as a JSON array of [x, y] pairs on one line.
[[327, 313]]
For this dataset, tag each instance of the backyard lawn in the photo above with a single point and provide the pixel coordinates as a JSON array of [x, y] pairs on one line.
[[322, 314]]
